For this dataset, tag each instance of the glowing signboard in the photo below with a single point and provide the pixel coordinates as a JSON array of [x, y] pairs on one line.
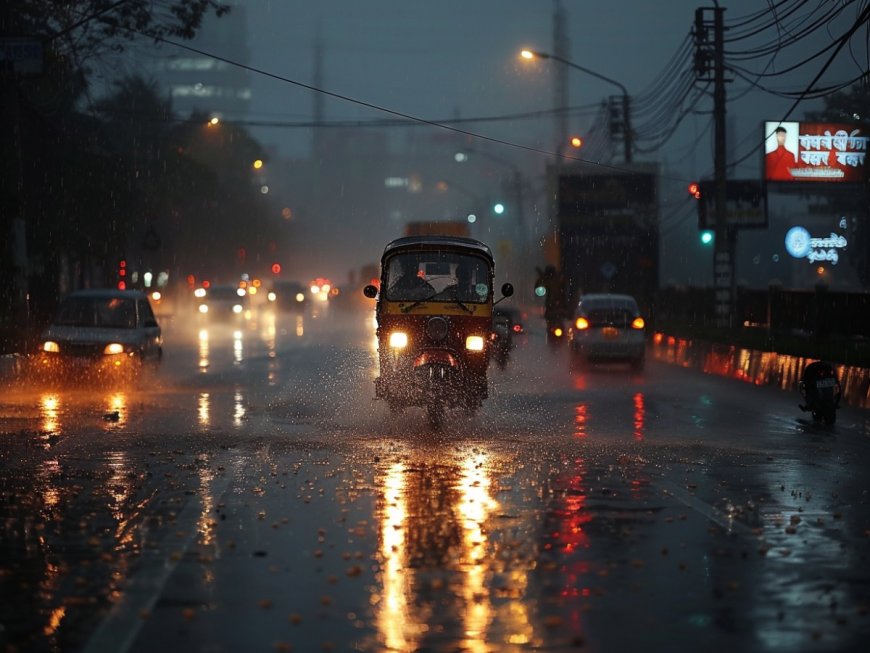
[[800, 244], [814, 152]]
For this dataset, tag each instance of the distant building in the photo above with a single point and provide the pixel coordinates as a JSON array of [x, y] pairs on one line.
[[198, 82]]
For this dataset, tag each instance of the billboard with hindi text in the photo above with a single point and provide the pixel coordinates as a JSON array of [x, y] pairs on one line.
[[815, 152]]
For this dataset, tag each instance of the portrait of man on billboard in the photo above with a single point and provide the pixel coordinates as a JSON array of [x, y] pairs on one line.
[[781, 148]]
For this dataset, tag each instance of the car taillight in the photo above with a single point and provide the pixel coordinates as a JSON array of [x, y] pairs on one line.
[[582, 323], [518, 328], [638, 323]]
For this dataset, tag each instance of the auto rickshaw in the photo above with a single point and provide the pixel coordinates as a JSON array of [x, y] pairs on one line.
[[434, 317]]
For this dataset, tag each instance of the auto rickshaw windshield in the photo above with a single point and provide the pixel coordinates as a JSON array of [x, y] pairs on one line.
[[438, 276]]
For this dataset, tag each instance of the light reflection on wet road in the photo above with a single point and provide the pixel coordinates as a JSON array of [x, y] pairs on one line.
[[250, 495]]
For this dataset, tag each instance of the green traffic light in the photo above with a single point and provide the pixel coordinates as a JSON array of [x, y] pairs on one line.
[[706, 237]]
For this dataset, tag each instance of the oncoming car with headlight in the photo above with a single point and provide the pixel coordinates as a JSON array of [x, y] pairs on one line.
[[224, 304], [100, 332]]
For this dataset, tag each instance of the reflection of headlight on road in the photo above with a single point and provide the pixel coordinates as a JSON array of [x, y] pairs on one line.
[[203, 308], [237, 308], [474, 343], [114, 348], [398, 340]]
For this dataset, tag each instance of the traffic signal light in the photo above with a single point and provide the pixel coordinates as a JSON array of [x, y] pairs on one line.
[[122, 274], [498, 208], [706, 237], [276, 268], [695, 190]]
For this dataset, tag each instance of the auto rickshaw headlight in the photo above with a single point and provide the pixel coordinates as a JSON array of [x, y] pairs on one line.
[[114, 348], [474, 343], [398, 340], [50, 346]]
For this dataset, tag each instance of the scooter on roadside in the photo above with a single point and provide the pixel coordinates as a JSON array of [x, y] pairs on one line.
[[820, 389]]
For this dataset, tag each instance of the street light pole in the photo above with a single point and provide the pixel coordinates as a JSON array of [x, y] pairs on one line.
[[626, 112]]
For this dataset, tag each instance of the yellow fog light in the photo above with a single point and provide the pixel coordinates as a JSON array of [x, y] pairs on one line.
[[51, 346], [114, 348], [398, 340], [474, 343]]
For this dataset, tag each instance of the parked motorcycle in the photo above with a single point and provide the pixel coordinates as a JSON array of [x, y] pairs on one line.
[[820, 389]]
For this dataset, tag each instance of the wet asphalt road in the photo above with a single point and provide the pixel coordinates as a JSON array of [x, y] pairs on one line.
[[251, 496]]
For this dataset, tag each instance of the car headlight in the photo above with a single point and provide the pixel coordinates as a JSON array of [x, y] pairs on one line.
[[51, 346], [272, 297], [398, 340], [203, 308], [582, 323], [114, 348], [474, 343], [237, 308]]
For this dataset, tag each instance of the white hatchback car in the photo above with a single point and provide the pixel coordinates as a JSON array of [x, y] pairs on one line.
[[100, 332], [608, 327]]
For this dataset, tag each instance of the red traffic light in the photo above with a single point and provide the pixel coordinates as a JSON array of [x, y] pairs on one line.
[[276, 268], [695, 190]]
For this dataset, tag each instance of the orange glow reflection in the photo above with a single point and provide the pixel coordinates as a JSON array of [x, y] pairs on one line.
[[50, 411], [300, 326], [580, 417], [116, 410], [639, 416], [475, 506], [239, 410], [393, 620], [203, 349], [203, 409]]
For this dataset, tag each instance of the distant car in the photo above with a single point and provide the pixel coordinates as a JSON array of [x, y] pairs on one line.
[[225, 304], [289, 296], [608, 327], [101, 331]]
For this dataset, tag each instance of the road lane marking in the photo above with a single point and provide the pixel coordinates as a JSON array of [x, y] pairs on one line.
[[118, 630]]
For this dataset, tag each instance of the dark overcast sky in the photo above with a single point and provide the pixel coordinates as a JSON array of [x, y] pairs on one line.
[[433, 59]]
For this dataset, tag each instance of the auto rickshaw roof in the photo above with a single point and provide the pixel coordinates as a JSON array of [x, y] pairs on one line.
[[428, 243]]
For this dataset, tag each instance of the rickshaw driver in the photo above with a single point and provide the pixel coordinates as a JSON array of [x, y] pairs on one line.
[[465, 289], [408, 284]]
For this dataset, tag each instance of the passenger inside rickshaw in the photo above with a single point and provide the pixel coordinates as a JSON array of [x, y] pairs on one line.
[[412, 277]]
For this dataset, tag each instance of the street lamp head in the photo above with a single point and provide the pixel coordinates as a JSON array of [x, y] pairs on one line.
[[525, 53]]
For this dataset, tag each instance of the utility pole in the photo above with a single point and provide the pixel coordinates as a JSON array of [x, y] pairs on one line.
[[560, 80], [725, 241]]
